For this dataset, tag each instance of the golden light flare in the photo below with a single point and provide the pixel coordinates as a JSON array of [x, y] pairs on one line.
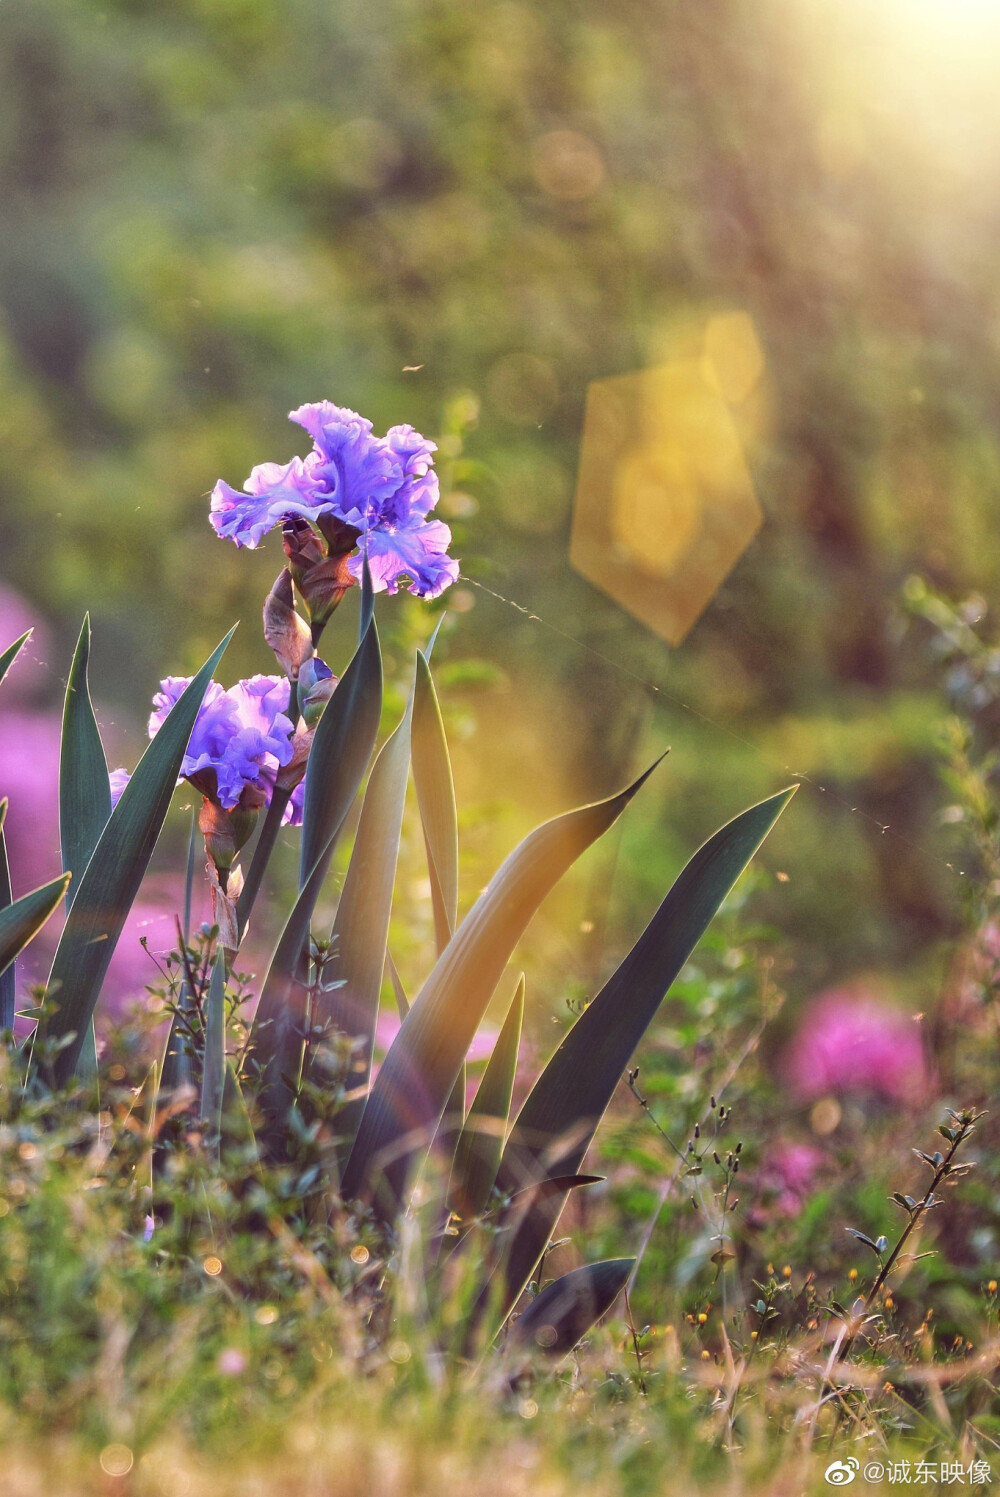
[[665, 504]]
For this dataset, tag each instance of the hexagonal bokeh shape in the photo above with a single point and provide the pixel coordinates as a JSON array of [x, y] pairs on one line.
[[665, 504]]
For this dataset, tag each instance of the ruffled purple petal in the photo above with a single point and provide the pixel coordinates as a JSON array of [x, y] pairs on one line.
[[274, 491], [417, 551], [355, 471], [241, 735], [419, 492], [383, 486], [320, 416], [416, 453], [293, 811]]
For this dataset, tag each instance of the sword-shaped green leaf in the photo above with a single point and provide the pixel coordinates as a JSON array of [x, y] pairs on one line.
[[425, 1058], [278, 1032], [175, 1069], [367, 597], [560, 1116], [25, 917], [113, 875], [11, 653], [562, 1314], [8, 977], [435, 787], [341, 748], [348, 1001], [398, 991], [84, 788], [477, 1157]]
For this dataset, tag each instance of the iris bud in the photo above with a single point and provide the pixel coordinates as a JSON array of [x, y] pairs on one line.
[[285, 630]]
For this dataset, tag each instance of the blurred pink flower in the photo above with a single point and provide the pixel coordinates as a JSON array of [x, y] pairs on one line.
[[850, 1040], [785, 1177]]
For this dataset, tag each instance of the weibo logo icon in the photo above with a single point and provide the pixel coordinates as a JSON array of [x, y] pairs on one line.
[[842, 1473]]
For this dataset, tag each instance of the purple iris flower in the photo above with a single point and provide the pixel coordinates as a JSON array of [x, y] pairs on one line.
[[242, 734], [242, 737], [274, 491], [417, 549], [382, 487]]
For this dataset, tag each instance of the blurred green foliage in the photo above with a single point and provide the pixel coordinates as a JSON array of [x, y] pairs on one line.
[[458, 216]]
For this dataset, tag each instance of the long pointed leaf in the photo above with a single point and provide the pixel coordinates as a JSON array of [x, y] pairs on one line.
[[279, 1024], [341, 749], [26, 916], [399, 992], [175, 1069], [562, 1314], [213, 1070], [425, 1058], [560, 1116], [8, 977], [435, 788], [84, 788], [477, 1157], [367, 598], [113, 876], [11, 653], [360, 931]]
